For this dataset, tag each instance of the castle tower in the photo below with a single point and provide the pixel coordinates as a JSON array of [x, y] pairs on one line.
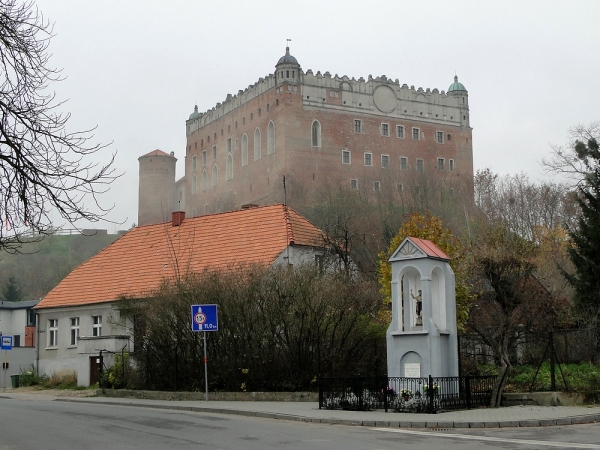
[[157, 194], [422, 337]]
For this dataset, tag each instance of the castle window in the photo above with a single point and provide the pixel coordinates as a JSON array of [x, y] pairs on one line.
[[368, 159], [214, 152], [385, 161], [416, 134], [345, 156], [206, 208], [441, 162], [207, 138], [236, 124], [215, 139], [417, 189], [215, 175], [400, 131], [294, 76], [221, 133], [400, 187], [354, 184], [228, 128], [449, 136], [229, 168], [287, 73], [451, 163], [194, 184], [204, 180], [267, 107], [420, 167], [270, 138], [243, 121], [257, 145], [228, 145], [203, 157], [251, 116], [357, 126], [259, 112], [236, 144], [195, 146], [439, 136], [376, 186], [244, 150], [316, 133], [276, 102], [385, 129], [194, 162], [403, 162]]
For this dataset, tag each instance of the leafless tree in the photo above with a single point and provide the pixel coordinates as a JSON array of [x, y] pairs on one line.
[[566, 161], [43, 166]]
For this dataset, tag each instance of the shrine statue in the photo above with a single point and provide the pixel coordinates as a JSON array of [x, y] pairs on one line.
[[419, 308]]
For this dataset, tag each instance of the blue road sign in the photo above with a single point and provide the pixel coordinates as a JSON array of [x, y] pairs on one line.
[[204, 318], [6, 343]]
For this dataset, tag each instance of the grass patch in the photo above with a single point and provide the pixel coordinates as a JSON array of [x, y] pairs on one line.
[[583, 377]]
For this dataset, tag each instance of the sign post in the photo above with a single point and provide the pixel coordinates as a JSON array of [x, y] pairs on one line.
[[6, 345], [205, 318]]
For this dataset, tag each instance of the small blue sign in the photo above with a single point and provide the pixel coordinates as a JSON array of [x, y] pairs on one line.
[[6, 343], [204, 318]]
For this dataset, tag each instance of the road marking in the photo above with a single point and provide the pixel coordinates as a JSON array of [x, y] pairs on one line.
[[487, 438]]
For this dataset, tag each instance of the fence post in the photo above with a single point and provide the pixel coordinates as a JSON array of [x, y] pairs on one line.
[[360, 393], [386, 392], [468, 389], [320, 391], [430, 395]]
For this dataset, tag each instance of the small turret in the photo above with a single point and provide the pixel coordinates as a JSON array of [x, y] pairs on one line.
[[287, 69]]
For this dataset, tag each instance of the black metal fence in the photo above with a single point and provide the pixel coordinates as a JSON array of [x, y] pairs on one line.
[[400, 394]]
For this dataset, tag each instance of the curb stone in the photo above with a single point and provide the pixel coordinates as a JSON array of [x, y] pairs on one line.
[[571, 420]]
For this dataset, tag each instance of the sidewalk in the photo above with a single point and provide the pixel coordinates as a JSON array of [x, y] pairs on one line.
[[514, 416]]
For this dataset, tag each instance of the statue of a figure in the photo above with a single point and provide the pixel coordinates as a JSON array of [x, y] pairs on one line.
[[419, 308]]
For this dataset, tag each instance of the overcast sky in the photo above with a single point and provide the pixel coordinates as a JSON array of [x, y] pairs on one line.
[[135, 69]]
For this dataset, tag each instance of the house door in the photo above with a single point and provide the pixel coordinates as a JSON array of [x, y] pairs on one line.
[[95, 369]]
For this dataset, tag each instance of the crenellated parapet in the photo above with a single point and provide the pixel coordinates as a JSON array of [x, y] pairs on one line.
[[379, 96], [385, 97], [230, 103]]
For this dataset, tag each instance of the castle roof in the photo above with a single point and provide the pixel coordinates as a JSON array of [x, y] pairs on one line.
[[136, 263], [456, 86], [287, 58], [156, 152]]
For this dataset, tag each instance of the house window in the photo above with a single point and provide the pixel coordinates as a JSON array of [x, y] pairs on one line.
[[53, 333], [368, 159], [400, 187], [271, 138], [420, 165], [345, 156], [385, 161], [403, 162], [228, 145], [97, 325], [376, 186], [441, 162], [400, 131], [385, 129], [204, 157], [244, 150], [416, 134], [74, 330], [354, 184], [257, 145], [194, 162], [357, 126], [316, 134], [451, 163], [229, 168], [439, 136], [204, 180]]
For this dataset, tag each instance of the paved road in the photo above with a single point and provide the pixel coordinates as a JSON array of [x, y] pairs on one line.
[[30, 423]]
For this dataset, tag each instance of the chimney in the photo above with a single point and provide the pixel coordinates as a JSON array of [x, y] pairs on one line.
[[178, 217]]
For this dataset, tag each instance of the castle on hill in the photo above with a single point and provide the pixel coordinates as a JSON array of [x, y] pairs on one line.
[[318, 131]]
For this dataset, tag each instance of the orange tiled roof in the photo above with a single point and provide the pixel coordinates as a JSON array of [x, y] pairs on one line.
[[430, 248], [136, 263], [157, 152]]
